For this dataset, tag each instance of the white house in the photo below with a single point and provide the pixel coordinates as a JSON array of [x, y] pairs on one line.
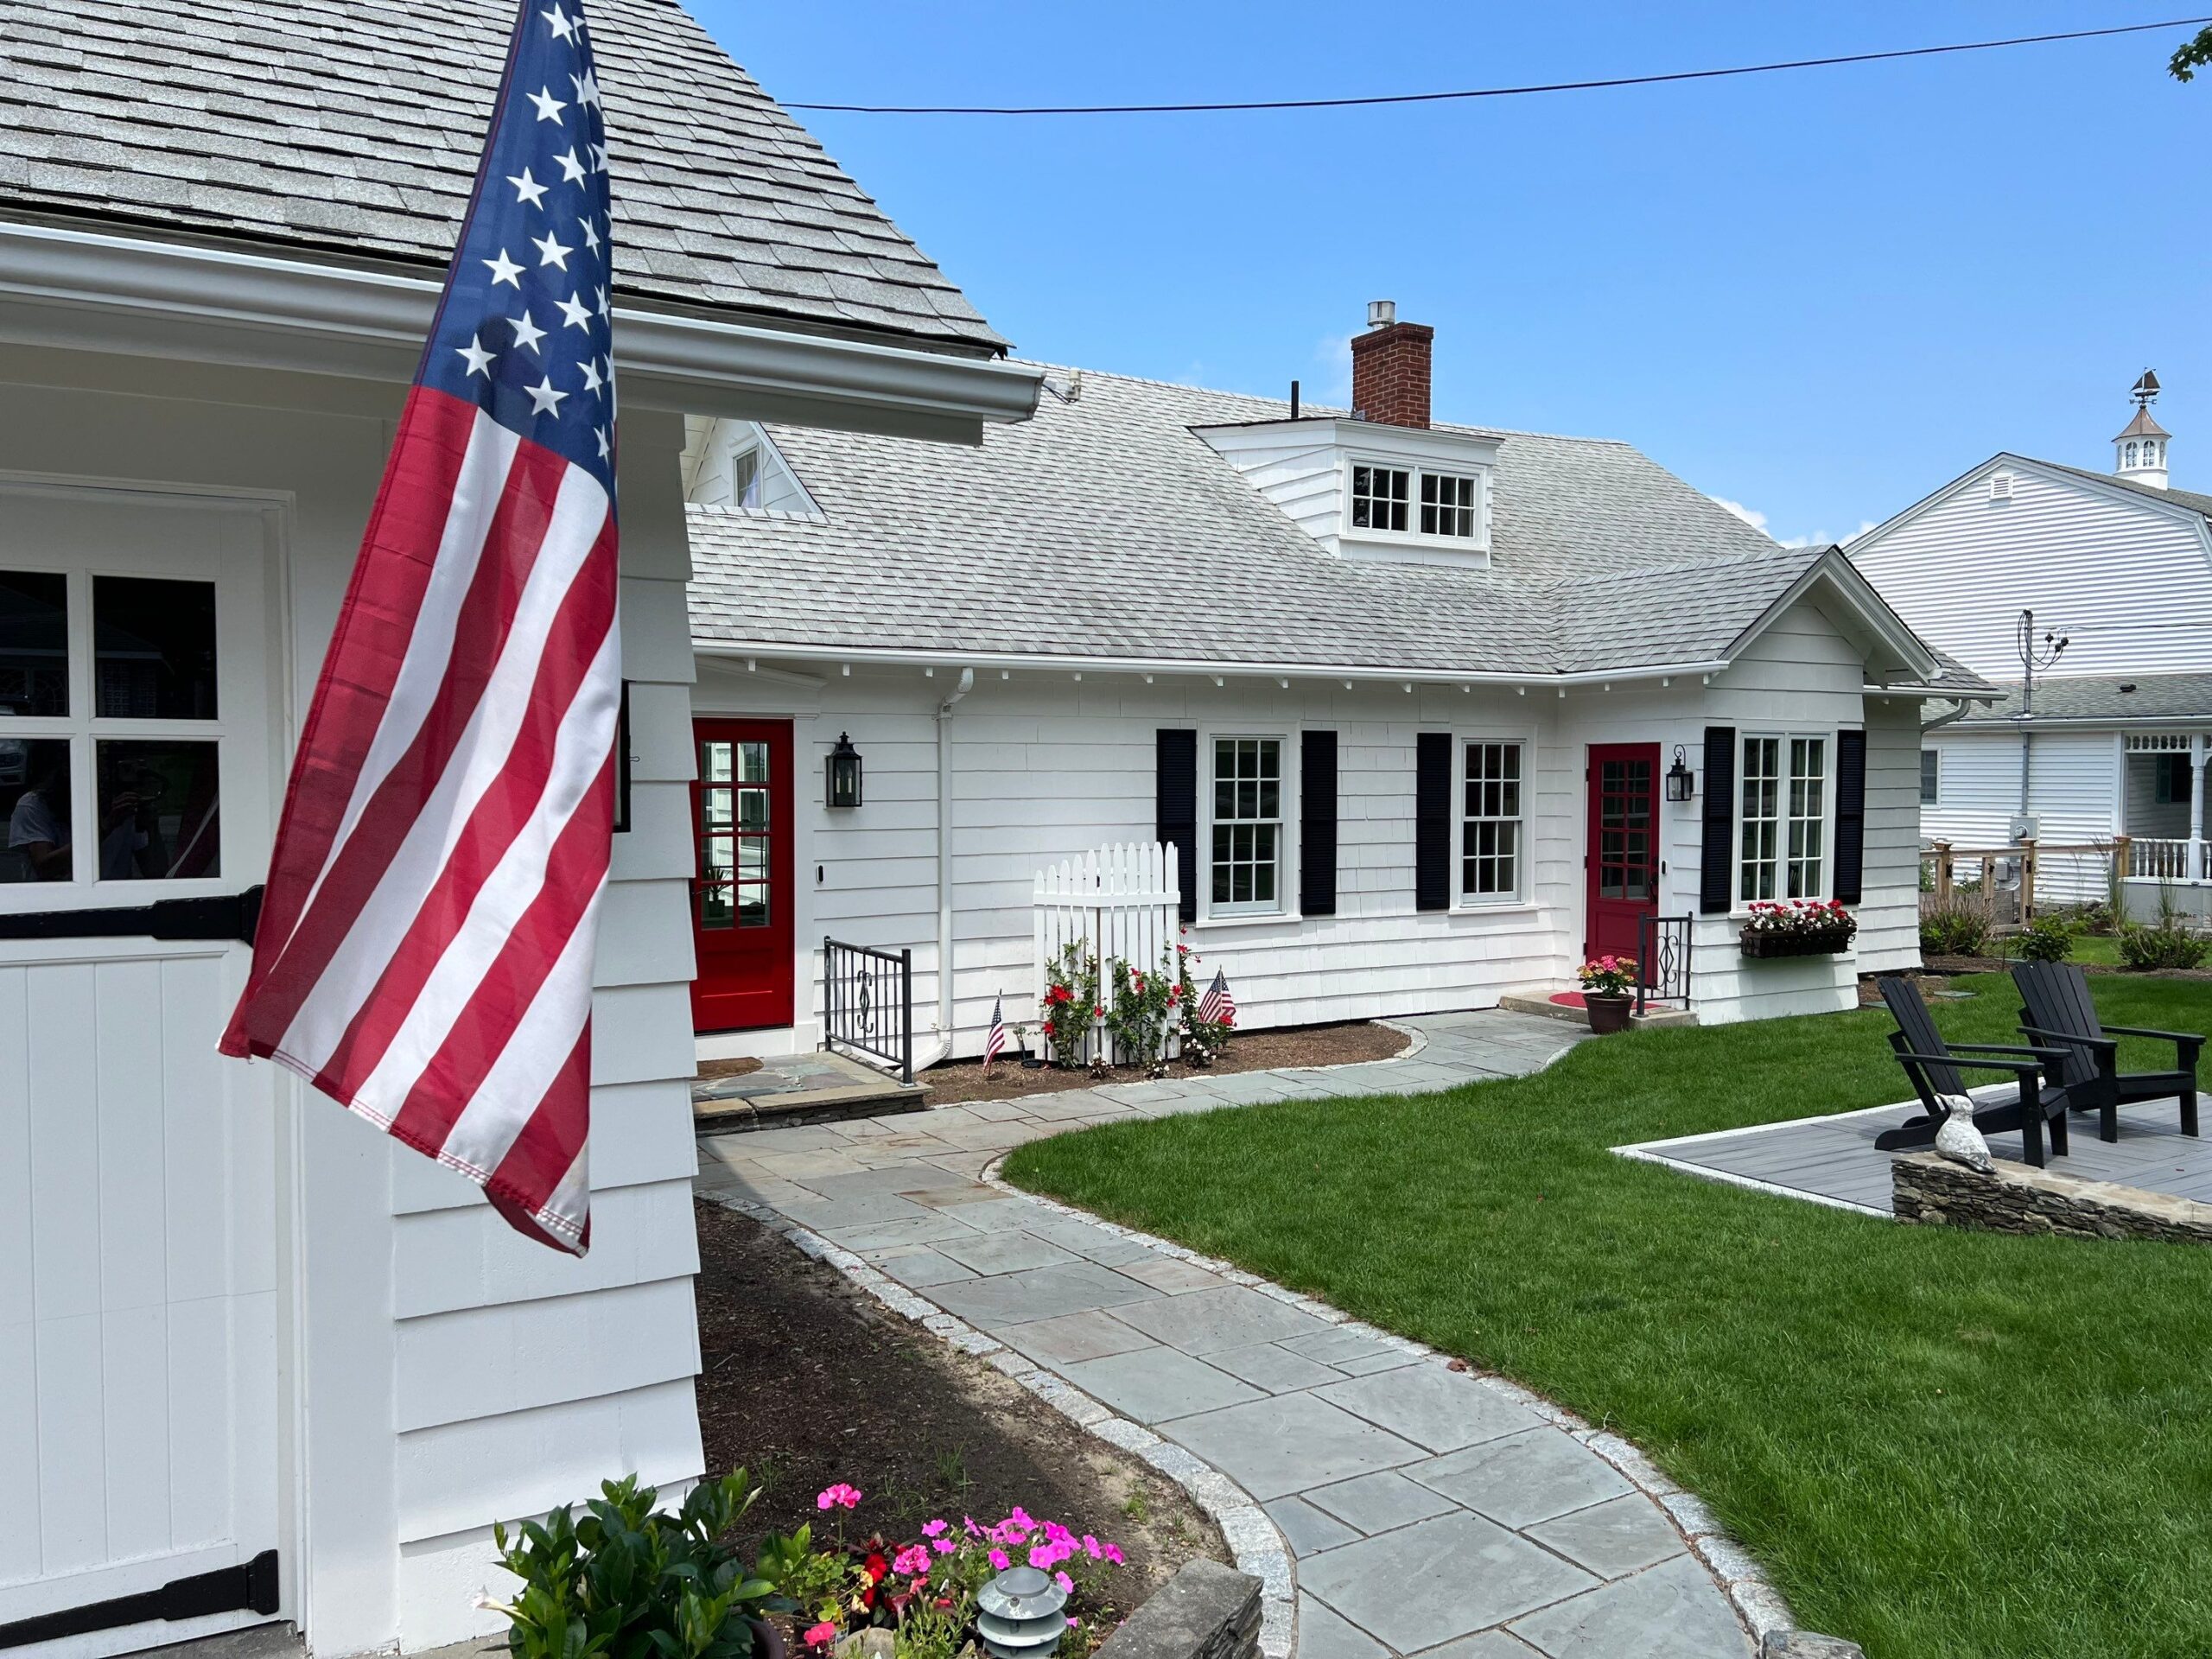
[[2110, 739], [1412, 694], [242, 1333]]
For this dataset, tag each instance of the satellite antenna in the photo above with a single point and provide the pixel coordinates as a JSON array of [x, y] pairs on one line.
[[2146, 390]]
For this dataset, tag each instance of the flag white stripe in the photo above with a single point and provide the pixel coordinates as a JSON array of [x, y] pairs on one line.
[[579, 514], [512, 885], [478, 491], [537, 1049]]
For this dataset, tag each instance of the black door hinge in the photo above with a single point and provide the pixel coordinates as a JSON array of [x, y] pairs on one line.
[[231, 916], [250, 1587]]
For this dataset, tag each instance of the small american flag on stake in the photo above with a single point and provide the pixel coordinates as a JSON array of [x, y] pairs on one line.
[[424, 953], [1219, 1005], [995, 1044]]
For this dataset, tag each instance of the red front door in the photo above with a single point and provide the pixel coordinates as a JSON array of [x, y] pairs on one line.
[[1623, 857], [741, 894]]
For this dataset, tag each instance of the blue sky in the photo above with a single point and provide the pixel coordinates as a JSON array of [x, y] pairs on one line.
[[1818, 293]]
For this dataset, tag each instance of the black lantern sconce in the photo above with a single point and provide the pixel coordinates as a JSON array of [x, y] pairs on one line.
[[842, 774], [1682, 784]]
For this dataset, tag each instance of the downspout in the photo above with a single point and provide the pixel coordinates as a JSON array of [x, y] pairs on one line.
[[944, 871], [1959, 712]]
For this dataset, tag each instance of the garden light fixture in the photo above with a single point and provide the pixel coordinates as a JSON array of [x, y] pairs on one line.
[[1022, 1614]]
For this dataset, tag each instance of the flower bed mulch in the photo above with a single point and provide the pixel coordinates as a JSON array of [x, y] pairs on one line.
[[807, 1382], [1248, 1051]]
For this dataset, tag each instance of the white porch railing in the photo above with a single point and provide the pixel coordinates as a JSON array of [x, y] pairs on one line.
[[2150, 860], [1118, 900]]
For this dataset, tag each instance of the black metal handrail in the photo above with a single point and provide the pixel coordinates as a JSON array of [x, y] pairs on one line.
[[867, 999], [1662, 959]]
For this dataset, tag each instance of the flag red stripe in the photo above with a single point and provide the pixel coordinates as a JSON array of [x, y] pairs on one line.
[[366, 648], [580, 628], [544, 1153], [487, 613], [478, 1036]]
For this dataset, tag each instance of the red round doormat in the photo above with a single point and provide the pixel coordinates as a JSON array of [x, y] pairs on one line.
[[1569, 999]]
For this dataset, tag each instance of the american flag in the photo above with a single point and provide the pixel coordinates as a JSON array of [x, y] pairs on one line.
[[424, 954], [1218, 1003], [995, 1044]]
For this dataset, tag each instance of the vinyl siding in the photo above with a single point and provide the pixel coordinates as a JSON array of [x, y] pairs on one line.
[[2074, 797]]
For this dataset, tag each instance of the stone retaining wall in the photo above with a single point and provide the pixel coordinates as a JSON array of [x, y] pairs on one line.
[[1936, 1193], [1205, 1611]]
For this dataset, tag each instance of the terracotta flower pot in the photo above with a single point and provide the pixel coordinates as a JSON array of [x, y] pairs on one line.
[[1607, 1014]]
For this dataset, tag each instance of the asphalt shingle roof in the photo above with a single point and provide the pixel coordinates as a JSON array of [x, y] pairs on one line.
[[2149, 696], [2188, 499], [1106, 527], [353, 126]]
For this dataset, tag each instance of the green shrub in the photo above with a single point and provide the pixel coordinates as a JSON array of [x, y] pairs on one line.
[[2049, 938], [627, 1581], [1953, 929], [2169, 943]]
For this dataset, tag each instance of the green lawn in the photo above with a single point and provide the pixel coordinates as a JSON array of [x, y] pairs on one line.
[[1939, 1444]]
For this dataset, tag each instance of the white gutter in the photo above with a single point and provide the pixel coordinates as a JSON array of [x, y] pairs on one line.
[[89, 292], [1965, 707], [945, 870], [879, 657]]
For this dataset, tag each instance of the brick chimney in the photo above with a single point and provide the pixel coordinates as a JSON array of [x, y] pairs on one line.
[[1389, 368]]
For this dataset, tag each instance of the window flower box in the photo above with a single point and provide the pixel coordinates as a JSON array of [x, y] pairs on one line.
[[1798, 927]]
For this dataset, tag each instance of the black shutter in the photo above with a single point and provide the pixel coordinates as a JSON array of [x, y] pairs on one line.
[[1850, 816], [1175, 805], [1718, 852], [1316, 824], [1432, 820]]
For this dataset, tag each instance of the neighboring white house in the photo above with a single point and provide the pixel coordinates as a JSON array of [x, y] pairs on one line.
[[1410, 693], [2113, 738], [234, 1318]]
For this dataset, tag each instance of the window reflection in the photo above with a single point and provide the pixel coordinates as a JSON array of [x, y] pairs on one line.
[[153, 648], [158, 809], [35, 807], [33, 642]]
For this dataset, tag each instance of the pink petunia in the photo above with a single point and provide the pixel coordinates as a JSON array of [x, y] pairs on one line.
[[1066, 1584], [931, 1529], [943, 1546], [822, 1634], [1114, 1554], [1090, 1546], [1000, 1560]]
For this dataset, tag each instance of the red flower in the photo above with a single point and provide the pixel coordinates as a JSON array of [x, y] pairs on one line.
[[876, 1567]]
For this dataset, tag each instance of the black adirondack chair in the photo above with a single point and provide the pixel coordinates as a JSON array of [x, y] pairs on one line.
[[2061, 1013], [1934, 1066]]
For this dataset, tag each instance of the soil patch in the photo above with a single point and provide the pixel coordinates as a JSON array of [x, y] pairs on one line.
[[1252, 1051], [806, 1381], [738, 1068]]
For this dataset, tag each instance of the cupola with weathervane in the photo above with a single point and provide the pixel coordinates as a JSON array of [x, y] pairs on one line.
[[2139, 454]]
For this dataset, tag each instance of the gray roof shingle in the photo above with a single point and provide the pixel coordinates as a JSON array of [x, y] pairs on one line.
[[2147, 696], [1105, 528], [354, 127]]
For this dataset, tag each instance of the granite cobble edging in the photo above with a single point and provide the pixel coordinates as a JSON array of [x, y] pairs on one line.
[[1205, 1611], [1251, 1537], [2015, 1199]]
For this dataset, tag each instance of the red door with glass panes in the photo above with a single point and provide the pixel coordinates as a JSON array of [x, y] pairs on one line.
[[1623, 856], [741, 892]]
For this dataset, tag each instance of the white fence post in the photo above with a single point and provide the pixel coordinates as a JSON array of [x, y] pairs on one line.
[[1119, 900]]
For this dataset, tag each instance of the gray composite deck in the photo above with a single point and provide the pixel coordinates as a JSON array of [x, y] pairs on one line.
[[1835, 1160]]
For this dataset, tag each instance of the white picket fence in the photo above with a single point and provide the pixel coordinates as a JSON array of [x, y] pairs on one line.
[[1120, 900]]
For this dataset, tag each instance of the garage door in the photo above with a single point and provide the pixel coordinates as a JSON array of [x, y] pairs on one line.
[[139, 1411]]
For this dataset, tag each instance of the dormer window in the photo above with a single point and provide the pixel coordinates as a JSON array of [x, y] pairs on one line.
[[745, 478], [1379, 496], [1447, 504]]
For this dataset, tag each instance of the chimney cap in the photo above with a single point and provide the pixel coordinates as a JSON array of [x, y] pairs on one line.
[[1380, 314]]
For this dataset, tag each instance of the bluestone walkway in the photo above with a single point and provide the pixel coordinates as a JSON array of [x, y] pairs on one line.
[[1423, 1510]]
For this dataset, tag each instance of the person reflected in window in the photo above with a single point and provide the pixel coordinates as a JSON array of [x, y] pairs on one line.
[[38, 828], [130, 839]]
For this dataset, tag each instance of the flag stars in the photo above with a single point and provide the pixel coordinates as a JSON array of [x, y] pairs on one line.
[[593, 383], [591, 236], [587, 86], [479, 360], [551, 250], [527, 188], [527, 331], [605, 452], [543, 400], [572, 171], [575, 313], [564, 26], [505, 269], [602, 302], [599, 158], [549, 107]]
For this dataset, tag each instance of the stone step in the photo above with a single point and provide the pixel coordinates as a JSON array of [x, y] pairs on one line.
[[1539, 1002]]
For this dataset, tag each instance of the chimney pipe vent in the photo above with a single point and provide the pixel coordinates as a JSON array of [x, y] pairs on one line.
[[1380, 314]]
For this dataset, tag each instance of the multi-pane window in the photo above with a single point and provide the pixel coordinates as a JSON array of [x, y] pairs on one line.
[[1379, 498], [1784, 817], [1930, 776], [1246, 824], [733, 834], [1491, 835], [1447, 504]]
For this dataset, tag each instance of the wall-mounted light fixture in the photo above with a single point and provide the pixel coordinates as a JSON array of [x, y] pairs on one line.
[[842, 774], [1682, 783]]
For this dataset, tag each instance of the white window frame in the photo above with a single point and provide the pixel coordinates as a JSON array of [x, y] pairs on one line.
[[1284, 905], [1931, 797], [1520, 897], [1423, 477], [1785, 819], [1475, 543], [1359, 464]]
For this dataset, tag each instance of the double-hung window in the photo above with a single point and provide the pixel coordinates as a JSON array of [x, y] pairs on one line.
[[1379, 498], [1447, 506], [1491, 824], [1248, 825], [1784, 835], [1931, 776]]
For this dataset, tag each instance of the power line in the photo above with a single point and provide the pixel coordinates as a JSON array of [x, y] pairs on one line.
[[1495, 91]]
